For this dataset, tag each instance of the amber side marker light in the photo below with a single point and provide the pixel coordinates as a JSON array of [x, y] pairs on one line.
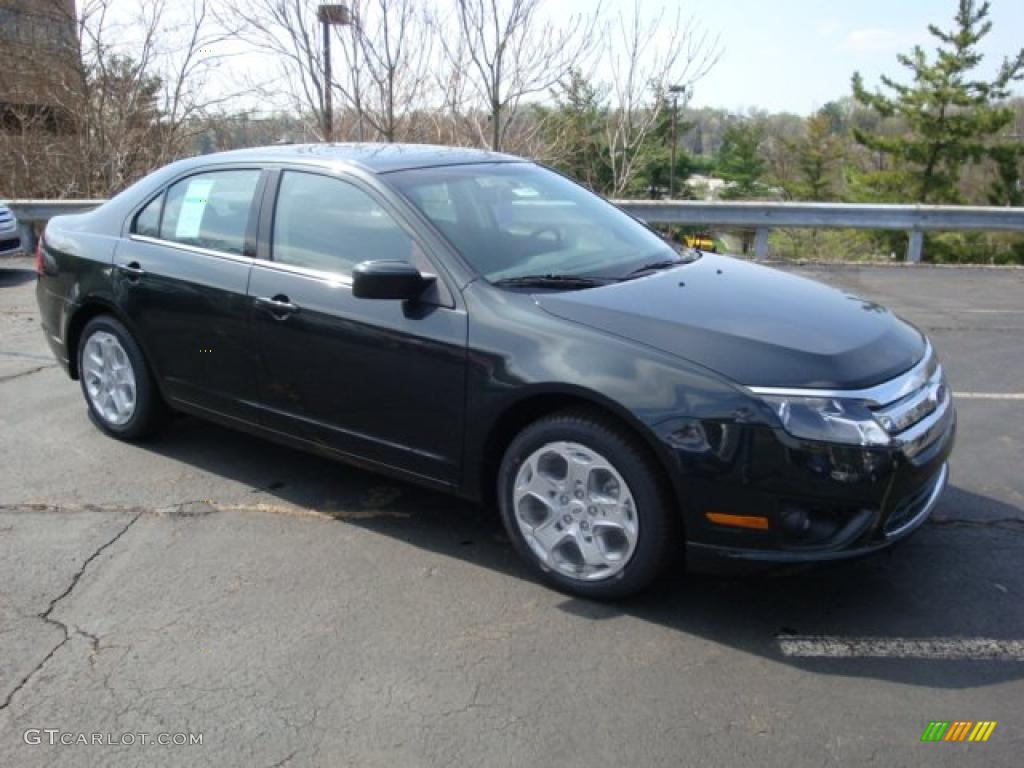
[[738, 521]]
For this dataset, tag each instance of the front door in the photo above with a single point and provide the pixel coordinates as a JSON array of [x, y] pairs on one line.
[[383, 380]]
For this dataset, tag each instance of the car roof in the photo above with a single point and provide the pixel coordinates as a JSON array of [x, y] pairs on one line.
[[373, 158]]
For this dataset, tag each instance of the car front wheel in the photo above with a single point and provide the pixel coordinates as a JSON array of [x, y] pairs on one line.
[[584, 503]]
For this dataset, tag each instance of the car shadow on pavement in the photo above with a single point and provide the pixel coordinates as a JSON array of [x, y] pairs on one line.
[[959, 576]]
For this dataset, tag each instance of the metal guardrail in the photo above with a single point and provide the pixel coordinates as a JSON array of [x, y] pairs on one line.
[[757, 216], [762, 216], [32, 212]]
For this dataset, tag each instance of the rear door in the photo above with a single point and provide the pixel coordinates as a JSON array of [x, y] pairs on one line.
[[383, 380], [181, 277]]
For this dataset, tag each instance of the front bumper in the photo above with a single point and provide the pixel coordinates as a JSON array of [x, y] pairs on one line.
[[901, 523], [815, 501]]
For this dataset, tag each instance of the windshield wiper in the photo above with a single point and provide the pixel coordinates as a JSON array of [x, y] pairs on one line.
[[654, 266], [556, 281]]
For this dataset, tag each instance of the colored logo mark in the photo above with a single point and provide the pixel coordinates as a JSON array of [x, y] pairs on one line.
[[958, 730]]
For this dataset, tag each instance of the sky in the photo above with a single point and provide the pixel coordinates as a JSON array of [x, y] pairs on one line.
[[796, 55], [777, 55]]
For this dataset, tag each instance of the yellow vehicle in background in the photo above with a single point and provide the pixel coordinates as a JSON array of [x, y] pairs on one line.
[[701, 242]]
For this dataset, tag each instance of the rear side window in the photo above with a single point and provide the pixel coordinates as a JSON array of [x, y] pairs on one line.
[[148, 221], [330, 225], [210, 210]]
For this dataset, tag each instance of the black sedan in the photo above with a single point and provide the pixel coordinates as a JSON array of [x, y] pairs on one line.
[[480, 324]]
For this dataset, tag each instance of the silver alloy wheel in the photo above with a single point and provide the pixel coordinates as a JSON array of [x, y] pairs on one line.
[[575, 511], [109, 378]]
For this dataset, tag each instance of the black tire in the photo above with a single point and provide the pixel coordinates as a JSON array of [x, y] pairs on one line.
[[150, 413], [657, 539]]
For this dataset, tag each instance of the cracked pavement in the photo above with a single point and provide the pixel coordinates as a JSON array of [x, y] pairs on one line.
[[298, 612]]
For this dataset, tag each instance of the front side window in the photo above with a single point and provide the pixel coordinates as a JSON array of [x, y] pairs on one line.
[[330, 225], [516, 219], [210, 210]]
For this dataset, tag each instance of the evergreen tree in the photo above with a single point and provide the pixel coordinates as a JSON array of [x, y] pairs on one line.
[[574, 130], [950, 114], [1008, 186], [655, 176], [819, 156], [833, 110], [740, 161]]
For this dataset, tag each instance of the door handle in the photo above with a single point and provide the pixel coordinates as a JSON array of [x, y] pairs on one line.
[[132, 269], [279, 306]]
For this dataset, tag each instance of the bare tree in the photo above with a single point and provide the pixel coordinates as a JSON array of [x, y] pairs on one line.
[[287, 30], [452, 115], [647, 55], [123, 88], [143, 79], [184, 64], [510, 51], [388, 51], [384, 51], [352, 81]]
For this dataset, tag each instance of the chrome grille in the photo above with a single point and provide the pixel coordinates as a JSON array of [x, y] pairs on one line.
[[918, 412]]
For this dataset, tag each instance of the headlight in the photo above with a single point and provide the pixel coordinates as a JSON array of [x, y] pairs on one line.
[[829, 419]]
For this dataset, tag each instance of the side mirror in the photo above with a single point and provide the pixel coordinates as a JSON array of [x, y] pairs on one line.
[[388, 279]]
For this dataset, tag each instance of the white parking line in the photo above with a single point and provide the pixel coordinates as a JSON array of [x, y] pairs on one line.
[[943, 648], [988, 395]]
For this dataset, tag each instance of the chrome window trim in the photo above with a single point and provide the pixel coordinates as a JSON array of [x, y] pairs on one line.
[[331, 277], [192, 248], [881, 394], [335, 278], [317, 274]]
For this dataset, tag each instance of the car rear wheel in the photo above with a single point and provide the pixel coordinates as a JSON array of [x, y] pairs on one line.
[[585, 505], [122, 397]]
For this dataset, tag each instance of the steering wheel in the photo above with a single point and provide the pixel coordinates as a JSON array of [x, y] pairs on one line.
[[538, 233]]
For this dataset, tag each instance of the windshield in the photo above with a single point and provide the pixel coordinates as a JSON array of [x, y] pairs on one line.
[[512, 220]]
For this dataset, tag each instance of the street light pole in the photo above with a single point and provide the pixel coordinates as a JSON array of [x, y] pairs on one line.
[[675, 90], [330, 15], [675, 139], [328, 98]]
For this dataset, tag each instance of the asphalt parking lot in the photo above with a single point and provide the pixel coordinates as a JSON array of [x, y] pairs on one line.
[[298, 612]]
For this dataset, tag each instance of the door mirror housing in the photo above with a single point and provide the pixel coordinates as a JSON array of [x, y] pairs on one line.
[[388, 279]]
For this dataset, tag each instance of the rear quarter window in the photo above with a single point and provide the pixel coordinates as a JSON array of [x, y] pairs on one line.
[[147, 222]]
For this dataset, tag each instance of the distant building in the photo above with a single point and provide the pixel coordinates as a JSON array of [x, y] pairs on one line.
[[39, 65], [41, 91], [706, 187]]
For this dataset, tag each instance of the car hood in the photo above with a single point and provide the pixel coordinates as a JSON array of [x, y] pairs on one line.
[[755, 325]]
